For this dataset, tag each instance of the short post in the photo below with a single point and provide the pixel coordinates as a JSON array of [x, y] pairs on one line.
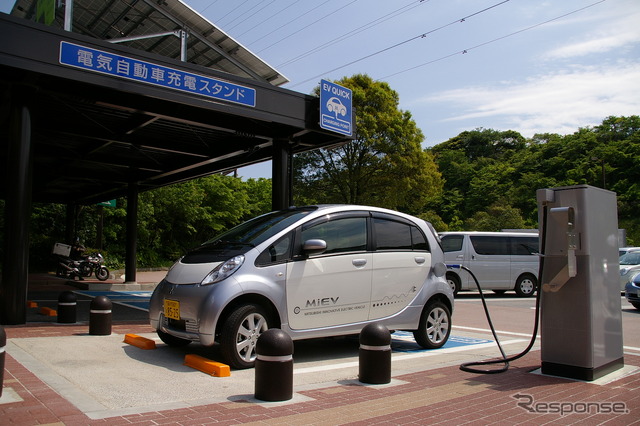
[[375, 355], [3, 349], [100, 316], [274, 366], [67, 302]]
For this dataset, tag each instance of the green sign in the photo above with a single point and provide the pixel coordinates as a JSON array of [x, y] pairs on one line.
[[110, 203]]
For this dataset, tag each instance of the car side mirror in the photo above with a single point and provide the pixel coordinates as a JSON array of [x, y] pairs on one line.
[[315, 246]]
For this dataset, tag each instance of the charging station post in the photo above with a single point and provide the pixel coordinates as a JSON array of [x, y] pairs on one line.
[[580, 312]]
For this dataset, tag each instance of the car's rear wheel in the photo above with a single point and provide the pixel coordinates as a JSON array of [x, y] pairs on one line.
[[240, 334], [526, 285], [636, 305], [172, 340], [435, 326]]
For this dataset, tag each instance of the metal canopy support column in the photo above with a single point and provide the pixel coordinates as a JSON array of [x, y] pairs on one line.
[[281, 181], [15, 279], [130, 262], [68, 15]]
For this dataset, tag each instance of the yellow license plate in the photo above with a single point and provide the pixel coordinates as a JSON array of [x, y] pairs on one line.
[[172, 309]]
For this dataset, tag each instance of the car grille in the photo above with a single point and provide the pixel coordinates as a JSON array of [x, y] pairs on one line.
[[190, 326]]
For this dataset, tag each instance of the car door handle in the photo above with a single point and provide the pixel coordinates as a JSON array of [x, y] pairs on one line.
[[420, 260], [359, 263], [460, 256]]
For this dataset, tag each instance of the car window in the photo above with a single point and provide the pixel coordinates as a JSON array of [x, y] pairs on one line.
[[280, 251], [341, 235], [452, 242], [630, 259], [261, 228], [486, 245], [418, 239], [392, 235], [524, 245]]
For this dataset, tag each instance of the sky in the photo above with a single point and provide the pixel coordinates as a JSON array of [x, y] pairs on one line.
[[533, 66]]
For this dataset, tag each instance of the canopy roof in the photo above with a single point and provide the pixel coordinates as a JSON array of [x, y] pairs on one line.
[[93, 131], [120, 20]]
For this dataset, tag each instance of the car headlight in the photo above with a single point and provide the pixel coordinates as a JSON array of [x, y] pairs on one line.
[[224, 270]]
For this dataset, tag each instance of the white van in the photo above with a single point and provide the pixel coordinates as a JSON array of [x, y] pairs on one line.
[[500, 261]]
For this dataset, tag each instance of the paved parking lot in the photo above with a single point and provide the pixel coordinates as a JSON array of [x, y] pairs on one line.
[[60, 374]]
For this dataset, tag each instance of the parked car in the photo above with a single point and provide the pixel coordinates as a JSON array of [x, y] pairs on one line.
[[629, 266], [632, 291], [500, 261], [624, 250], [313, 271]]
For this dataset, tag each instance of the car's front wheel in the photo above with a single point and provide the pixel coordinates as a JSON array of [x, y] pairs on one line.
[[240, 334], [435, 326]]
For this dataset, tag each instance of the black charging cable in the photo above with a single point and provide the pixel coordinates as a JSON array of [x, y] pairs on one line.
[[467, 366]]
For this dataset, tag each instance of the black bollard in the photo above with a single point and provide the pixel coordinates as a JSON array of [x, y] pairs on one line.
[[100, 316], [3, 348], [274, 366], [67, 307], [375, 355]]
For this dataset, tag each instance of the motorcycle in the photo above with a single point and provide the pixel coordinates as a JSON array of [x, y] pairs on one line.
[[82, 267]]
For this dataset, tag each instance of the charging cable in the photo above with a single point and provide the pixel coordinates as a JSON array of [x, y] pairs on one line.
[[467, 366]]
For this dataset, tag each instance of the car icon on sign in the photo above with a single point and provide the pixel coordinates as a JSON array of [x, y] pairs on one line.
[[334, 105]]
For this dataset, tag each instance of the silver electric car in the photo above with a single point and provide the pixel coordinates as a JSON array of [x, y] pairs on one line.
[[313, 271]]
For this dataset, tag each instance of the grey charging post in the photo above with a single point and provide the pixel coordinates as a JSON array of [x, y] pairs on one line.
[[580, 311]]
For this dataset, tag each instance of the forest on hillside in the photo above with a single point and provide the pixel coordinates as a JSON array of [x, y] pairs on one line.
[[482, 179]]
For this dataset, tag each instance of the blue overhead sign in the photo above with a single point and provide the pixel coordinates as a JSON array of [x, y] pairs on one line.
[[336, 112], [154, 74]]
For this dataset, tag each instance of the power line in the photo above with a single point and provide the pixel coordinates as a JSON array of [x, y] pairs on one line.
[[423, 35], [355, 31], [232, 10], [316, 21], [291, 21], [269, 17], [210, 4], [467, 50], [246, 17]]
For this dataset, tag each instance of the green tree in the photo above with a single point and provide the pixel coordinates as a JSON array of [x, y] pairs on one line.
[[383, 166], [496, 217], [486, 170]]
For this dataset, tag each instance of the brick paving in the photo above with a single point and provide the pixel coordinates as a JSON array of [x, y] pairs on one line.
[[443, 396]]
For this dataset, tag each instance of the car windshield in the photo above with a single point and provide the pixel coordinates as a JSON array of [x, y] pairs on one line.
[[630, 259], [259, 229]]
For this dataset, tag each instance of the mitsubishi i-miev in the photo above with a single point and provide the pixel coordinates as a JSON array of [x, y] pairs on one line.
[[313, 272]]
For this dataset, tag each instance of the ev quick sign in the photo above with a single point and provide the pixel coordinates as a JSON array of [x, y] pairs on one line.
[[336, 112]]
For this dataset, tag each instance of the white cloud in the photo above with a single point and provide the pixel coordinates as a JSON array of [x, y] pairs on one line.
[[618, 33], [558, 103]]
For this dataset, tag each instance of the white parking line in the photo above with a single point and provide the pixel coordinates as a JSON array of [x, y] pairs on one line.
[[486, 330], [633, 350], [420, 354]]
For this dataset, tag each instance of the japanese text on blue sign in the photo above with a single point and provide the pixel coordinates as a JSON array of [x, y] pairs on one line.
[[157, 75]]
